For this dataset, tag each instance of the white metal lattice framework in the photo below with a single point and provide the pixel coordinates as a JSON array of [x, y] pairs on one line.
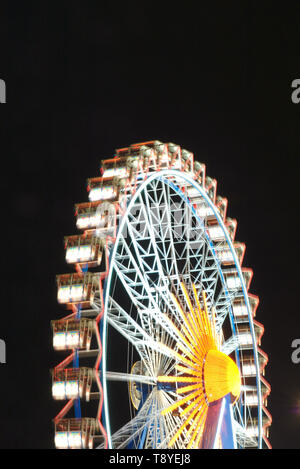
[[154, 223]]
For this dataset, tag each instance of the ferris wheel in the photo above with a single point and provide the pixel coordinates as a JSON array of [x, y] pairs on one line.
[[163, 348]]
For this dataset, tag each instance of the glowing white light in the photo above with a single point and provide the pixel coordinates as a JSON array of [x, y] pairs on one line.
[[233, 281], [101, 193], [248, 369], [245, 338], [68, 293], [66, 389], [111, 172], [86, 253], [215, 232], [83, 221], [240, 309], [252, 431], [59, 340], [72, 339], [73, 389], [61, 440], [204, 211], [63, 294], [99, 221], [73, 440], [79, 254], [192, 192], [251, 399], [91, 221], [78, 292], [67, 340], [225, 255], [59, 390]]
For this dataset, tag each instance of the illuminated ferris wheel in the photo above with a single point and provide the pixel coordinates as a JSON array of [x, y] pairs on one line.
[[163, 348]]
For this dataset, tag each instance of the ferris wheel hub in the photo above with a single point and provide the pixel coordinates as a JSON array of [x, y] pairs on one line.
[[221, 376]]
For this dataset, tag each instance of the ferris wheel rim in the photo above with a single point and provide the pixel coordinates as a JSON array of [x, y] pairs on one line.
[[159, 175]]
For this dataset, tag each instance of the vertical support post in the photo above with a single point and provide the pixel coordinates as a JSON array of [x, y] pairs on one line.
[[2, 351]]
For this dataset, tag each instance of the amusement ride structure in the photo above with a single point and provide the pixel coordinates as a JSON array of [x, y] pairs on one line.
[[163, 348]]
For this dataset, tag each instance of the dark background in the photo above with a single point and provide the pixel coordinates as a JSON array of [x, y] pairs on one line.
[[84, 78]]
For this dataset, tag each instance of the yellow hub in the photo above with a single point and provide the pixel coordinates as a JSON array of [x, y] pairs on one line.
[[221, 376]]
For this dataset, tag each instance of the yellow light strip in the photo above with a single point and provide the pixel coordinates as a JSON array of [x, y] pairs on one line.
[[183, 316], [214, 325], [208, 323], [207, 327], [186, 352], [192, 404], [197, 429], [177, 355], [178, 403], [204, 331], [177, 379], [183, 426], [200, 433], [191, 326], [180, 335], [189, 388], [197, 419], [188, 370], [194, 350], [195, 324]]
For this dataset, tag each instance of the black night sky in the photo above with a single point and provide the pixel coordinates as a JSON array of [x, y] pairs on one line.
[[85, 78]]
